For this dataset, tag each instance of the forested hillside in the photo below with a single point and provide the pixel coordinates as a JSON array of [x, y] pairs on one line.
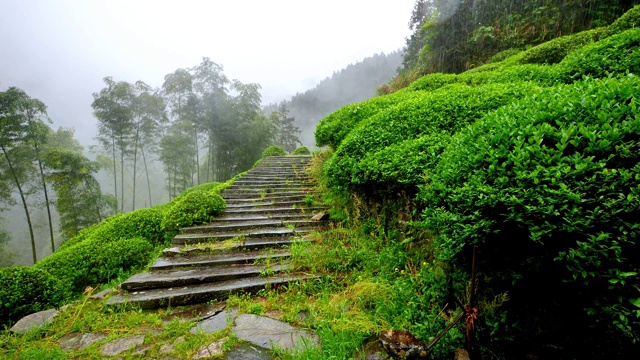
[[534, 160], [357, 82]]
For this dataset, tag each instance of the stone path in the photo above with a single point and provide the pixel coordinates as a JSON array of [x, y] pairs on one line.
[[243, 250]]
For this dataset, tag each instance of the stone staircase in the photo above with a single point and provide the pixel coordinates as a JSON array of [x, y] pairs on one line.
[[243, 250]]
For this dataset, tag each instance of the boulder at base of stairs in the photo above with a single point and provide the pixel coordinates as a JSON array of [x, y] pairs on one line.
[[269, 333]]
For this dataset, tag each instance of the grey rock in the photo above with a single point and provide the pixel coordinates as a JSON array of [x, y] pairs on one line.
[[34, 320], [461, 354], [212, 349], [141, 350], [166, 348], [79, 341], [269, 333], [101, 295], [215, 323], [247, 352], [320, 216], [118, 346], [173, 251]]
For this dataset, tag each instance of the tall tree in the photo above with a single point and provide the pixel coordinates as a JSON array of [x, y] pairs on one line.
[[112, 106], [80, 201], [286, 132], [16, 148]]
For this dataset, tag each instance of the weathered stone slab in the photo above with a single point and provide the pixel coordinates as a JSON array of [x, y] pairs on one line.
[[247, 352], [269, 333], [79, 341], [215, 323], [34, 320], [101, 295], [212, 349], [121, 345]]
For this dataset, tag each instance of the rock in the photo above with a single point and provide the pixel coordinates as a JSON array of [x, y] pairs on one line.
[[401, 344], [118, 346], [166, 348], [79, 341], [247, 352], [210, 350], [34, 320], [372, 350], [215, 323], [267, 333], [101, 294], [320, 216], [461, 354], [174, 251], [196, 312], [141, 350]]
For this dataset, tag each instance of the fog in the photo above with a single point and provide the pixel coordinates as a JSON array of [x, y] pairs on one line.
[[60, 51]]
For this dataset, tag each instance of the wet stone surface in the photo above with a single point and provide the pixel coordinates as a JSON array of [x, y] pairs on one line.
[[118, 346], [215, 323], [79, 341], [267, 333], [34, 320], [247, 352], [210, 350]]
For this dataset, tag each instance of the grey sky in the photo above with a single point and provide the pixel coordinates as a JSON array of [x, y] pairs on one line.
[[59, 50]]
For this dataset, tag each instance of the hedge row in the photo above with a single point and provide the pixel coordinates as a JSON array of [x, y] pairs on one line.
[[443, 111]]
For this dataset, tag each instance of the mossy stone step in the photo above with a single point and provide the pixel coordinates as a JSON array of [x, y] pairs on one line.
[[276, 210], [177, 277], [201, 293], [195, 261], [247, 225], [221, 248], [186, 239]]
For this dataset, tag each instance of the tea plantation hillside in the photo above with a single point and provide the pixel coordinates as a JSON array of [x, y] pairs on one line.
[[534, 159]]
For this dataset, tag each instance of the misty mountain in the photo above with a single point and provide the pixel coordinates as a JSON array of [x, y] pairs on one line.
[[355, 83]]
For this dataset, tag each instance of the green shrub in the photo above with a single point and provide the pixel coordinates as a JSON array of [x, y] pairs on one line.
[[422, 113], [432, 82], [215, 187], [274, 150], [503, 55], [302, 150], [549, 189], [553, 51], [630, 20], [25, 291], [195, 208], [332, 129], [93, 262], [617, 55]]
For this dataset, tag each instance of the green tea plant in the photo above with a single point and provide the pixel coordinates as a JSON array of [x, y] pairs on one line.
[[548, 188], [27, 290], [274, 150], [302, 150]]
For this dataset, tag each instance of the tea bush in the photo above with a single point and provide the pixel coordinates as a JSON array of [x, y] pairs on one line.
[[549, 188], [25, 291], [302, 150], [445, 110], [196, 207], [335, 126], [274, 150], [630, 20], [616, 55], [553, 51], [93, 262]]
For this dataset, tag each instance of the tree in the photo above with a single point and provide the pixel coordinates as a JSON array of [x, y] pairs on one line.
[[176, 154], [21, 129], [287, 132], [80, 201], [113, 108]]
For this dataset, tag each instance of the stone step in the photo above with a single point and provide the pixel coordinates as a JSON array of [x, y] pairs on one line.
[[265, 204], [186, 239], [231, 218], [250, 191], [242, 195], [247, 225], [176, 278], [269, 185], [201, 293], [268, 198], [275, 210], [249, 244], [195, 261], [268, 182]]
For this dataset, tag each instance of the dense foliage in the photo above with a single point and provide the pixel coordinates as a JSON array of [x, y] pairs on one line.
[[274, 150], [25, 291], [542, 175]]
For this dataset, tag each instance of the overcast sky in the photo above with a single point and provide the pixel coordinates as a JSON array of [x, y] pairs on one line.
[[59, 50]]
